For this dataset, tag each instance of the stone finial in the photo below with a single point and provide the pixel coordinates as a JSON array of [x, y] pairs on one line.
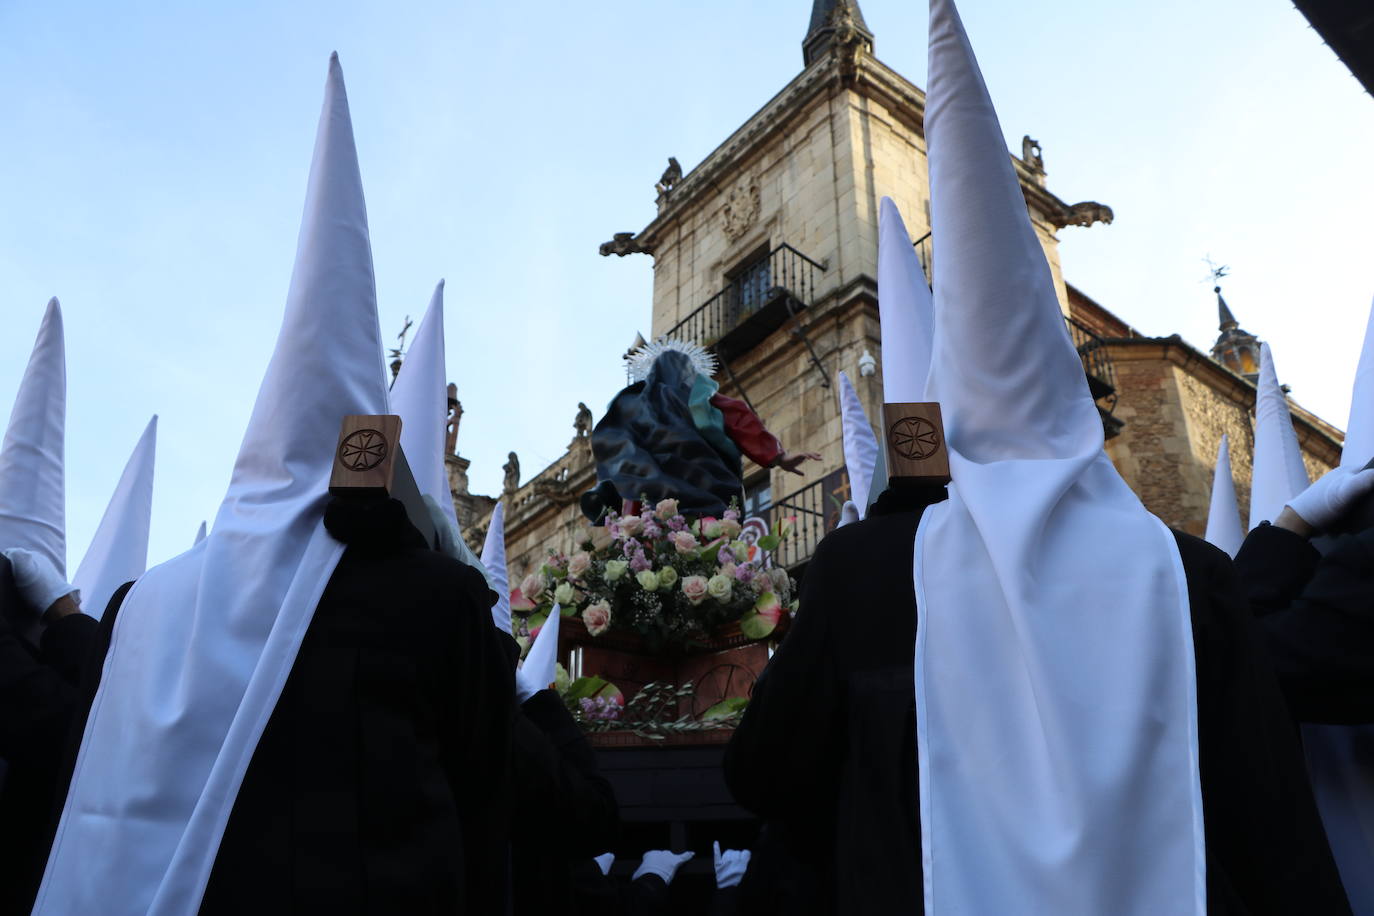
[[835, 24]]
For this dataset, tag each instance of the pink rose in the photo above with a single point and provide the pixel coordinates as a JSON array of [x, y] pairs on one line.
[[730, 528], [597, 617], [666, 509], [631, 525], [711, 528], [579, 563], [532, 586], [684, 541], [694, 587]]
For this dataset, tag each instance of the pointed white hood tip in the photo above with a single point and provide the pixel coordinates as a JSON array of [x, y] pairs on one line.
[[217, 629], [1276, 477], [494, 559], [1099, 712], [1010, 383], [32, 487], [1223, 517], [860, 445], [905, 310], [537, 671], [119, 550], [420, 398], [1359, 431], [200, 534]]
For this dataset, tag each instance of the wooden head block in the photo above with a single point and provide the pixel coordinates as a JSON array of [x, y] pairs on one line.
[[366, 456], [914, 436]]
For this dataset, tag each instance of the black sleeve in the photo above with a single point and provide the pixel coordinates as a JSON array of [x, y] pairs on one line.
[[66, 644], [36, 703], [585, 802], [476, 746], [726, 901], [1318, 626], [1266, 848], [1273, 565], [785, 756]]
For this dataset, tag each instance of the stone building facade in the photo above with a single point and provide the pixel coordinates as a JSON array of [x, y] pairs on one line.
[[767, 251]]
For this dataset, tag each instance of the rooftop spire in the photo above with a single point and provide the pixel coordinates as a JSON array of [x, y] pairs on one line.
[[1225, 320], [832, 20]]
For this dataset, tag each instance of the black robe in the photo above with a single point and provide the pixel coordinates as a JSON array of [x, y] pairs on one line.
[[1317, 615], [380, 783], [39, 700], [828, 747], [563, 810]]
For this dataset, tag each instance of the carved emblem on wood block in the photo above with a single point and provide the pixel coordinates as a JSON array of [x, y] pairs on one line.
[[915, 442], [365, 458]]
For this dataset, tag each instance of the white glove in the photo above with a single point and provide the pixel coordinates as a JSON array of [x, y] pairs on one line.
[[848, 513], [37, 580], [1323, 503], [661, 862], [730, 865], [604, 862]]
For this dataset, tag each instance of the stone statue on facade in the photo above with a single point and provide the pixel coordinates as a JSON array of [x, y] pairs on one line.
[[582, 424], [1031, 154], [671, 176], [512, 469], [455, 416]]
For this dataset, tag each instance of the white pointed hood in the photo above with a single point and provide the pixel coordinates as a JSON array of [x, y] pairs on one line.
[[204, 643], [905, 310], [1223, 516], [119, 550], [860, 445], [32, 490], [200, 534], [494, 559], [1044, 725], [536, 672], [1275, 478], [420, 398], [1359, 431]]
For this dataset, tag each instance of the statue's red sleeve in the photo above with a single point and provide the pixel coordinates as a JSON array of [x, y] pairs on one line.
[[746, 429]]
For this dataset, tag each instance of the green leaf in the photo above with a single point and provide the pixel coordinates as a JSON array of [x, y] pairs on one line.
[[726, 708], [569, 611], [769, 542], [754, 625], [585, 687]]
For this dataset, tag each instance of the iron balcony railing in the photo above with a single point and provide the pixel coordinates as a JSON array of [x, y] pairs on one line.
[[780, 283], [1097, 364], [810, 512]]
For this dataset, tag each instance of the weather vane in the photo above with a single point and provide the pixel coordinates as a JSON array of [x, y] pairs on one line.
[[1215, 273], [395, 353]]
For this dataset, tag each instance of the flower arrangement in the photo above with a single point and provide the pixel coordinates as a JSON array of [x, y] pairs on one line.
[[669, 578], [655, 712]]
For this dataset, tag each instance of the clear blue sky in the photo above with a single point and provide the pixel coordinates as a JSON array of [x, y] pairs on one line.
[[155, 156]]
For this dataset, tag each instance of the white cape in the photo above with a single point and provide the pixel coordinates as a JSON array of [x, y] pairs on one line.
[[204, 642], [1057, 725]]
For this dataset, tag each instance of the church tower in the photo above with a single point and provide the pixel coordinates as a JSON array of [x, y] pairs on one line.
[[1236, 349], [767, 250]]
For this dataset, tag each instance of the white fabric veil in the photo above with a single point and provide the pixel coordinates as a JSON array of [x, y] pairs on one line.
[[1057, 726], [204, 642]]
